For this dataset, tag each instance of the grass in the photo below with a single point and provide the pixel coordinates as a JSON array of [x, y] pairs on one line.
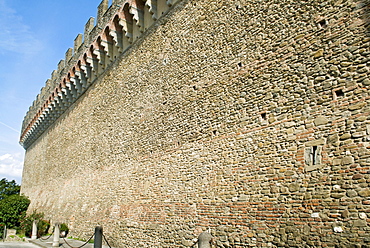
[[91, 241]]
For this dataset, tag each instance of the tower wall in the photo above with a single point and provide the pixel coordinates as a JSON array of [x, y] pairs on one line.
[[247, 118]]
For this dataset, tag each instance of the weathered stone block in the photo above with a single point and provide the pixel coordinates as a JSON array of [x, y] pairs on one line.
[[317, 142], [322, 120], [345, 214], [318, 53], [357, 106], [351, 193], [294, 187], [337, 195], [348, 160], [345, 136], [359, 223], [366, 82], [357, 176], [333, 139], [364, 193]]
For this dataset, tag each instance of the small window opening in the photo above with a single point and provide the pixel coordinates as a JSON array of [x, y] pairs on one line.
[[264, 116], [339, 93], [214, 132], [314, 155], [323, 23], [240, 64]]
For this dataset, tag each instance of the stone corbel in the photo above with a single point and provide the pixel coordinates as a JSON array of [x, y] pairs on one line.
[[117, 37], [99, 56], [82, 76], [72, 89], [107, 47], [171, 2], [138, 16], [127, 28], [76, 82], [152, 5], [86, 71], [65, 92], [93, 66]]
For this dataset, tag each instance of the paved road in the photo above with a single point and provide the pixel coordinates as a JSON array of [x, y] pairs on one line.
[[17, 245]]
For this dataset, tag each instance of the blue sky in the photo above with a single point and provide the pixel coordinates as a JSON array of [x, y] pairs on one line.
[[34, 36]]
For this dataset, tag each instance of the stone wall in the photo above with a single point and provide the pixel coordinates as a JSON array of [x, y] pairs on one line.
[[246, 118]]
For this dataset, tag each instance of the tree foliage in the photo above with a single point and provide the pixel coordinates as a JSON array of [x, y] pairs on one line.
[[13, 209], [8, 188], [13, 206]]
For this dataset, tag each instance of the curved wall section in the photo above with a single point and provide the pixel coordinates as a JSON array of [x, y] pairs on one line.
[[246, 118]]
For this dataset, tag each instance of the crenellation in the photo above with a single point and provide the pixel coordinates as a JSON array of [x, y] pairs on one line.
[[77, 43], [89, 26], [54, 76], [44, 93], [123, 25], [102, 9], [109, 14], [60, 69], [69, 55]]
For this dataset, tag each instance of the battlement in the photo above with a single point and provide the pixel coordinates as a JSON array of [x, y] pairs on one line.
[[117, 26]]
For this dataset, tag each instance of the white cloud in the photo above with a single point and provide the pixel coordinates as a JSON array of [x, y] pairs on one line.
[[15, 36], [11, 166]]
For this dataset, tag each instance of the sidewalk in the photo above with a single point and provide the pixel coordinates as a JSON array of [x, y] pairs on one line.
[[74, 243], [17, 244]]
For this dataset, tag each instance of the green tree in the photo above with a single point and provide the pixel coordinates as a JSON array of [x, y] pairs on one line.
[[13, 209], [8, 188]]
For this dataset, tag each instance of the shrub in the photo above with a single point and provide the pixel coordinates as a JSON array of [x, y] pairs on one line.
[[64, 230], [42, 225], [13, 209]]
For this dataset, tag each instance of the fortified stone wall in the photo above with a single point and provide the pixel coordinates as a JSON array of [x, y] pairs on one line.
[[246, 118]]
